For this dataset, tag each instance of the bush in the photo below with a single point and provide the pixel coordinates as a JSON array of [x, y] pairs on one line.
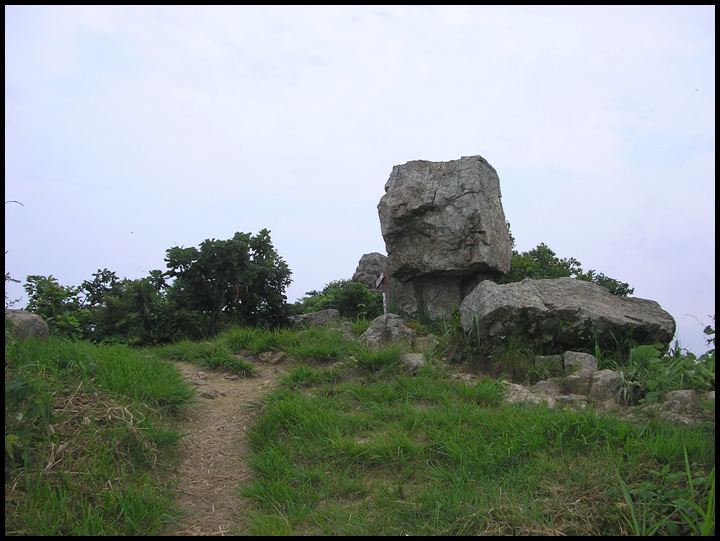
[[351, 299]]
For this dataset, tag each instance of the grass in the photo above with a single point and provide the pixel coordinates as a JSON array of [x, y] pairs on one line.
[[86, 429], [349, 443], [420, 454]]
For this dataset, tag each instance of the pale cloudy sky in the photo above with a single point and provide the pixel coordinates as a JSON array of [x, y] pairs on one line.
[[129, 130]]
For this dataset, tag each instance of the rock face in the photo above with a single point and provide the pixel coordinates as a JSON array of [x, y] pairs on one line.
[[444, 230], [563, 311], [369, 269], [27, 324]]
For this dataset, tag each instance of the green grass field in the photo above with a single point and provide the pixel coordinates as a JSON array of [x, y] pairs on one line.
[[350, 442]]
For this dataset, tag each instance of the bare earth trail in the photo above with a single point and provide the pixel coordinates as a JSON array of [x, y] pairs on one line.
[[216, 448]]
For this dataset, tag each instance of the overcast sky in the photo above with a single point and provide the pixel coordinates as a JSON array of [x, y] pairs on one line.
[[129, 130]]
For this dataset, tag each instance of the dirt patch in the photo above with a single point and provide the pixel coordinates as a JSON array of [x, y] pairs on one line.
[[216, 448]]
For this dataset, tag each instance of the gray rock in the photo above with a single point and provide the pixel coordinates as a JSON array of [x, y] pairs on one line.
[[681, 401], [426, 343], [413, 360], [575, 362], [386, 329], [563, 311], [369, 269], [27, 325], [317, 318], [444, 217], [606, 385], [550, 365]]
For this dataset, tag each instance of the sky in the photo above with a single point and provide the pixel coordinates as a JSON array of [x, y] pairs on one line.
[[133, 129]]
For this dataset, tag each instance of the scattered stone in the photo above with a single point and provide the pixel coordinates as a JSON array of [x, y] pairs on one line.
[[27, 325], [413, 360], [387, 329], [426, 343], [210, 393], [202, 375], [575, 362], [515, 393], [273, 357], [569, 313], [550, 364], [317, 318], [679, 401], [606, 384]]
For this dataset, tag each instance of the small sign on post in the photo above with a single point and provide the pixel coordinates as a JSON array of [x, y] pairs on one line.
[[384, 280]]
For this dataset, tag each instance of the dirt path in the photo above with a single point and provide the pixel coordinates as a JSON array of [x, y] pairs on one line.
[[216, 447]]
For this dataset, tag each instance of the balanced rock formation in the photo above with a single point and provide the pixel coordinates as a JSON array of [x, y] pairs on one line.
[[27, 325], [563, 311], [444, 230]]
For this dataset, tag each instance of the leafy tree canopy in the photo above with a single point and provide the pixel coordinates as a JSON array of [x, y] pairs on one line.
[[241, 280], [351, 299], [542, 262]]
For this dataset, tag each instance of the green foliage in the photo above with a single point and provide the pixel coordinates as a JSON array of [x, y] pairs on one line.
[[351, 299], [542, 262], [240, 280], [9, 303], [59, 306], [677, 503], [374, 359], [237, 281], [88, 431], [647, 374]]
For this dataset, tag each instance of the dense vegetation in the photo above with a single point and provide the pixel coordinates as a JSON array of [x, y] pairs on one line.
[[241, 280]]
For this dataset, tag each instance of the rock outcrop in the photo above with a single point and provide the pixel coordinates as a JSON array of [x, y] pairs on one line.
[[566, 312], [369, 269], [445, 231], [27, 325]]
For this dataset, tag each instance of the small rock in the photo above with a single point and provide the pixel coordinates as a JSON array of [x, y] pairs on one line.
[[413, 360]]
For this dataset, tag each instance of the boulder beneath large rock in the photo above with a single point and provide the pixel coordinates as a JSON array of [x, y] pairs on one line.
[[566, 312], [27, 325], [369, 269], [445, 231]]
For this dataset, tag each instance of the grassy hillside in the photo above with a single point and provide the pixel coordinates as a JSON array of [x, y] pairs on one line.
[[350, 442]]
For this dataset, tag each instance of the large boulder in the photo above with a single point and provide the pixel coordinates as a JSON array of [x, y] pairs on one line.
[[566, 312], [444, 218], [444, 230], [27, 325], [369, 269]]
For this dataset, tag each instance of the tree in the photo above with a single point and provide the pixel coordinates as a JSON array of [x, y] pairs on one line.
[[59, 306], [240, 280], [351, 299], [542, 262]]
